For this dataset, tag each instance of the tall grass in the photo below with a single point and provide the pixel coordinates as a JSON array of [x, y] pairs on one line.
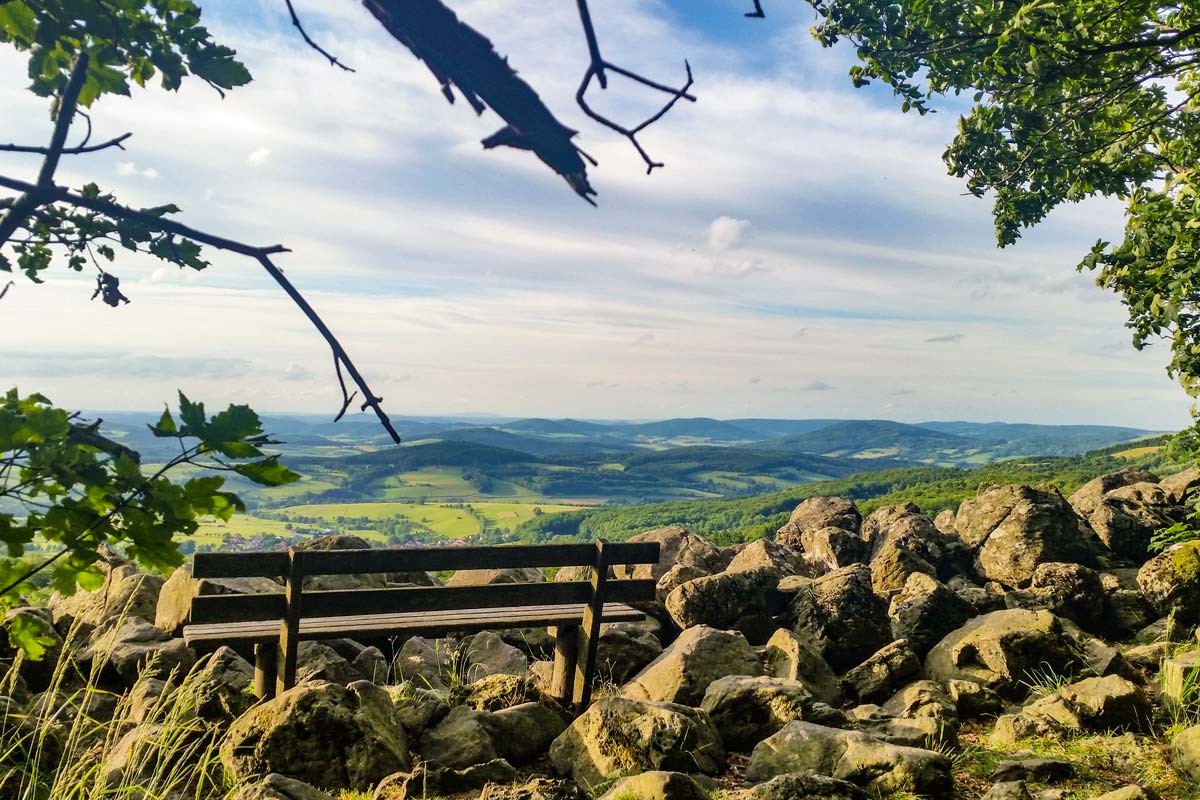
[[80, 741]]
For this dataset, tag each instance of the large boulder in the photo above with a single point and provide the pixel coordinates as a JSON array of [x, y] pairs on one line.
[[1111, 703], [1126, 518], [1087, 498], [327, 735], [1170, 582], [626, 736], [1185, 753], [341, 541], [467, 737], [1002, 650], [624, 649], [683, 672], [765, 553], [129, 647], [796, 657], [1015, 528], [1071, 591], [746, 709], [677, 546], [221, 686], [801, 786], [176, 595], [488, 654], [851, 756], [424, 663], [490, 577], [721, 600], [874, 680], [125, 592], [924, 611], [1181, 484], [844, 616], [816, 513], [280, 787], [830, 548]]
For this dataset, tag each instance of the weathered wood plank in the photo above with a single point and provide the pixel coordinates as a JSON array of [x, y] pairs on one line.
[[255, 607], [289, 627], [589, 632], [256, 564], [388, 625], [566, 656], [266, 669]]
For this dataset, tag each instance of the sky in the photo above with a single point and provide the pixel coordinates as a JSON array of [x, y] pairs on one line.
[[803, 253]]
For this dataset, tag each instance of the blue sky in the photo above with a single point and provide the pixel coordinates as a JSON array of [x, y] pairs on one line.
[[802, 254]]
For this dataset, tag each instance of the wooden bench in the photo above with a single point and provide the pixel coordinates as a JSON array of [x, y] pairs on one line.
[[274, 623]]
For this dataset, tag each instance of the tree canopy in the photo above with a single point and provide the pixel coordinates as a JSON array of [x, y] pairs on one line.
[[1069, 100]]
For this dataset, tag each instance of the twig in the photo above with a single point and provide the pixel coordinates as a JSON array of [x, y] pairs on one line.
[[758, 12], [596, 69], [67, 151], [333, 62], [4, 291]]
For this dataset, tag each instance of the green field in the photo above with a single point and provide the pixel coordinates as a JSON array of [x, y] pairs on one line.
[[452, 523]]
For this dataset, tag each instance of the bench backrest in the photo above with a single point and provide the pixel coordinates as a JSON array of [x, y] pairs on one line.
[[295, 565]]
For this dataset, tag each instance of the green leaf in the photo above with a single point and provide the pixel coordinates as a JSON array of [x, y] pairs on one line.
[[267, 472], [29, 632]]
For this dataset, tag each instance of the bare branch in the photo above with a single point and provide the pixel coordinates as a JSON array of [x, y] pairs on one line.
[[333, 62], [4, 291], [758, 12], [117, 142], [597, 70]]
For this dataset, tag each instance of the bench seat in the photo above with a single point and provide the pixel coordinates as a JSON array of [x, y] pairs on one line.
[[421, 623]]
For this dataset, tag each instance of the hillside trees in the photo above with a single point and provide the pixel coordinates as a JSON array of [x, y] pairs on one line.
[[1070, 100]]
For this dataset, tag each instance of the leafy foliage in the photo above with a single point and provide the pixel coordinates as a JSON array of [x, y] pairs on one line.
[[73, 490], [1070, 100]]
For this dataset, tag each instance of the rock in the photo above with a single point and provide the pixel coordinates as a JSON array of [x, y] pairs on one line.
[[488, 654], [791, 656], [1170, 582], [221, 686], [125, 592], [1008, 790], [816, 513], [698, 657], [922, 732], [524, 732], [746, 709], [982, 599], [973, 700], [656, 785], [1149, 657], [431, 781], [1066, 590], [1179, 681], [133, 647], [146, 699], [675, 577], [422, 664], [495, 692], [417, 707], [1087, 498], [317, 661], [140, 754], [176, 594], [331, 736], [721, 600], [1001, 650], [765, 553], [877, 678], [372, 665], [1185, 753], [944, 522], [623, 650], [851, 756], [1181, 484], [893, 563], [924, 611], [1015, 528], [1127, 517], [922, 699], [1042, 770], [801, 786], [535, 789], [280, 787], [830, 548], [622, 735], [489, 577], [846, 618], [1130, 792], [676, 546], [1092, 704], [341, 582]]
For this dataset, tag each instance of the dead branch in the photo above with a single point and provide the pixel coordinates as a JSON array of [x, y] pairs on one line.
[[333, 62], [596, 69], [758, 10], [117, 142]]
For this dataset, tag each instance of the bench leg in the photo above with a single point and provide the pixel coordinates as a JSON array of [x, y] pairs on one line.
[[266, 667], [566, 656]]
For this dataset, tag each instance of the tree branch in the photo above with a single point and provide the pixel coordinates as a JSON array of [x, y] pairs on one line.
[[333, 62], [116, 142]]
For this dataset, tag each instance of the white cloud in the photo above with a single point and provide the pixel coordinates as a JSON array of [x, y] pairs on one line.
[[725, 233], [127, 168], [259, 157]]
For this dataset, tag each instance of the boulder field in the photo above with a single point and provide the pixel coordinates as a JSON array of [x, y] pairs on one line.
[[1025, 645]]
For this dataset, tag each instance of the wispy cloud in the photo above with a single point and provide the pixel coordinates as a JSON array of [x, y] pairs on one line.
[[945, 338], [817, 386]]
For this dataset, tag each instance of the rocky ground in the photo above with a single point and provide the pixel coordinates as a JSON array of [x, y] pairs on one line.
[[1026, 646]]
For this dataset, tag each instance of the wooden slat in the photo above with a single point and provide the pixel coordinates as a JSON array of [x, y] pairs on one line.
[[589, 631], [432, 559], [420, 624], [253, 607], [256, 564], [289, 626]]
